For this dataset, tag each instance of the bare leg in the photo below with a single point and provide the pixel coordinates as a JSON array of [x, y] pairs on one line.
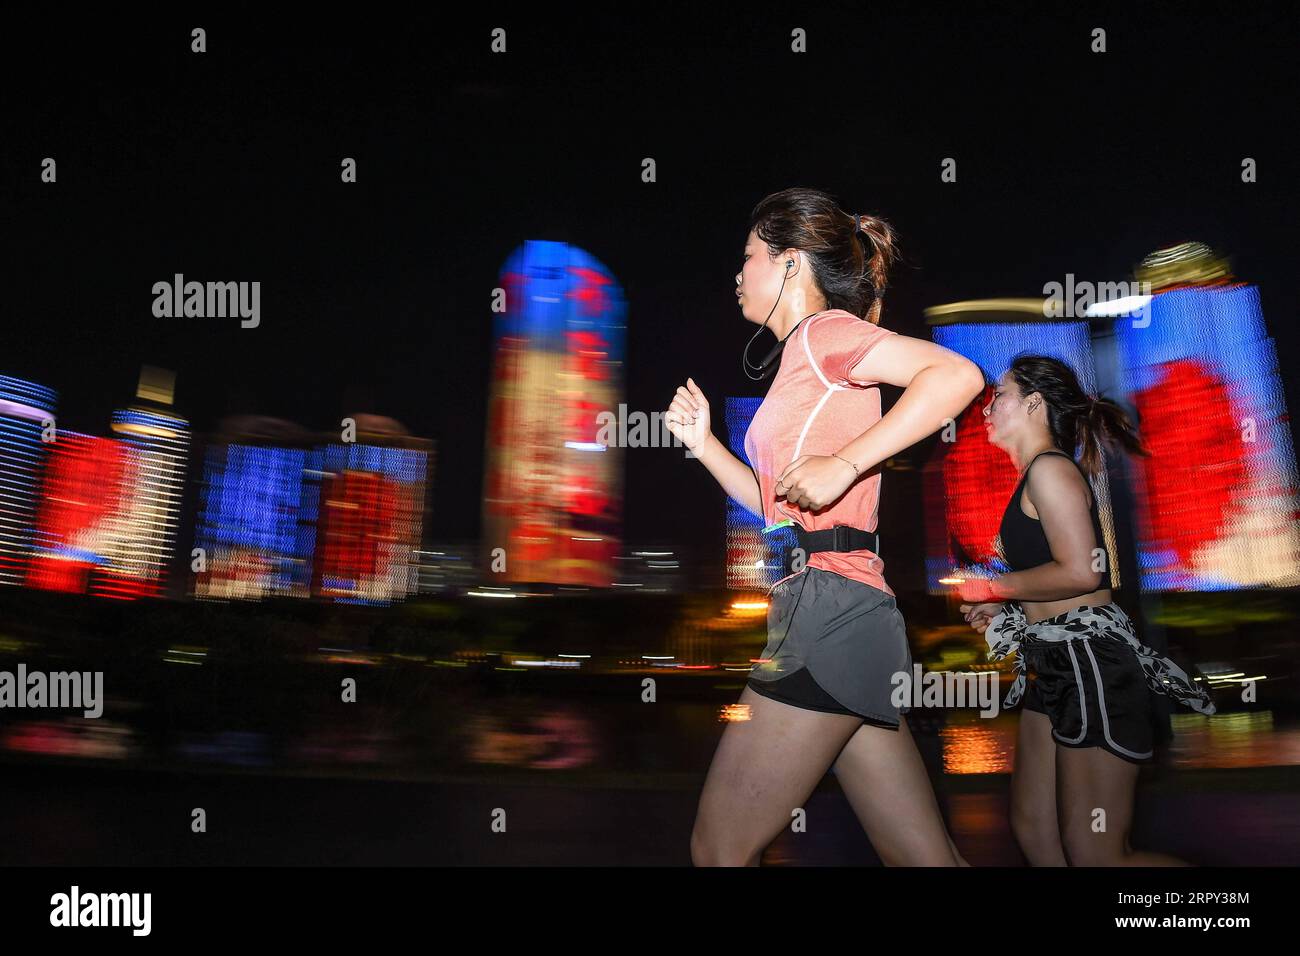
[[882, 774], [764, 769], [1033, 792], [1091, 779], [956, 855]]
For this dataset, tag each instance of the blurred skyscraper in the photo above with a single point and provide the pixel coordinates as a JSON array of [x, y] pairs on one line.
[[290, 513], [1217, 499], [23, 407], [142, 535], [257, 517], [372, 514], [83, 490], [552, 507]]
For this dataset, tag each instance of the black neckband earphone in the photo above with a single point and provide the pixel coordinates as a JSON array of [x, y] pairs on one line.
[[769, 364]]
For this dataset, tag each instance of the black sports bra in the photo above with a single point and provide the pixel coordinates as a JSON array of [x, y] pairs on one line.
[[1023, 542]]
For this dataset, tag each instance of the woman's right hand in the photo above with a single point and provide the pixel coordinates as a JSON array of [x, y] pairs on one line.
[[978, 616], [688, 416]]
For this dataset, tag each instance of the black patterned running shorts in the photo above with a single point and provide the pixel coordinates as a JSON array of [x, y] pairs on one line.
[[1094, 693]]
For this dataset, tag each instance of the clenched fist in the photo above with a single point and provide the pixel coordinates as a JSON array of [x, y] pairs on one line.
[[814, 481], [979, 616], [688, 416]]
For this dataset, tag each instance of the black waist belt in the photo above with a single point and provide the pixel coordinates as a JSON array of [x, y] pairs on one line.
[[842, 537]]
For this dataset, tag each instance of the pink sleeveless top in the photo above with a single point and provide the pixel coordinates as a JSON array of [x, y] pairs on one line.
[[814, 408]]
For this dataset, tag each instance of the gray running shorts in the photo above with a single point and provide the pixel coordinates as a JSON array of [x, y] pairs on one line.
[[850, 636]]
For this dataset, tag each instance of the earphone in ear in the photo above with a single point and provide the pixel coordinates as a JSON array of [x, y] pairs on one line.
[[768, 366]]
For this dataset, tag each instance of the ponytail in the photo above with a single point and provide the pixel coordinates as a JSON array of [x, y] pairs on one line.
[[1105, 421], [880, 254]]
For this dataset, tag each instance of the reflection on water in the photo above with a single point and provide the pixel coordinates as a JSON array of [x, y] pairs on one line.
[[972, 744], [552, 738], [70, 737], [1248, 739]]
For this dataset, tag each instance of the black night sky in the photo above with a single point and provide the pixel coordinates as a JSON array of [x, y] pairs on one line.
[[225, 165]]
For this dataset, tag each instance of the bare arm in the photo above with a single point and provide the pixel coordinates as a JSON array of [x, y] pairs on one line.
[[938, 385], [1060, 496], [736, 478], [690, 419]]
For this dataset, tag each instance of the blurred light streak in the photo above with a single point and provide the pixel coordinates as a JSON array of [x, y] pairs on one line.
[[734, 713]]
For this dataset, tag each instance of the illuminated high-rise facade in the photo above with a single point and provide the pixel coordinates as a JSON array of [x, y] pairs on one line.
[[26, 410], [1217, 498], [84, 488], [257, 516], [371, 519], [552, 508], [156, 443]]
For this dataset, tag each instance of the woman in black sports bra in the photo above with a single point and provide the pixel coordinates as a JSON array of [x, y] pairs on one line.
[[1087, 713]]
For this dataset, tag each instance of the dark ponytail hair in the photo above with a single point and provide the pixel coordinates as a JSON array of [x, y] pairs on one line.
[[850, 257], [1074, 417]]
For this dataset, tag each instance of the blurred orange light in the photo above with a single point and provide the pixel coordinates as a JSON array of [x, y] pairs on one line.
[[734, 712]]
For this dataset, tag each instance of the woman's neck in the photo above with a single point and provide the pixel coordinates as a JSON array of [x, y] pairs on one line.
[[1026, 453], [790, 321]]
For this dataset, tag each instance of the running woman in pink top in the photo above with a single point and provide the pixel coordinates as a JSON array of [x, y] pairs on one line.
[[820, 694]]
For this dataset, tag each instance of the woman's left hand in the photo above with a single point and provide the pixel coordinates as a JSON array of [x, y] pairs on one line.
[[814, 481]]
